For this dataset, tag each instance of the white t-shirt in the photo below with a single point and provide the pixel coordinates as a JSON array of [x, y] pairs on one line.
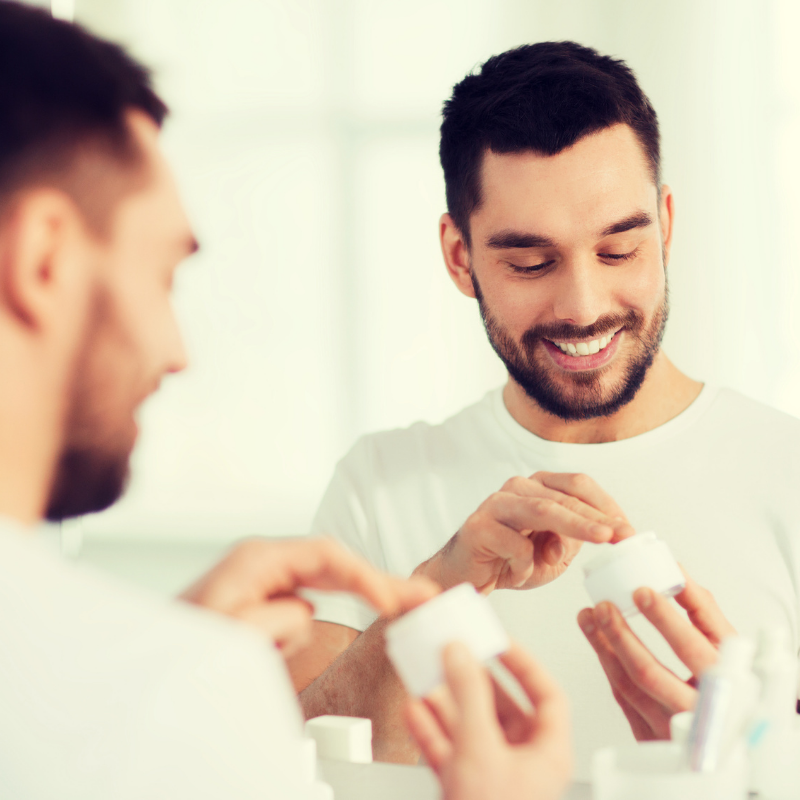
[[108, 693], [719, 483]]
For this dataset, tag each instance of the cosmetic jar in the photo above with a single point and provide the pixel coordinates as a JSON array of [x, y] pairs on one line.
[[414, 643], [618, 570]]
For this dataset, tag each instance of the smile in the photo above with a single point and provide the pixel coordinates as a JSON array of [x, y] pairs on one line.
[[578, 349]]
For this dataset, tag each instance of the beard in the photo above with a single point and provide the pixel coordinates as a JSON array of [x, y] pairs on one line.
[[585, 396], [93, 467], [86, 480]]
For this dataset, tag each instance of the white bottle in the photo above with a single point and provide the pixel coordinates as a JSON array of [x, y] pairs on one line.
[[728, 696], [776, 715], [776, 667]]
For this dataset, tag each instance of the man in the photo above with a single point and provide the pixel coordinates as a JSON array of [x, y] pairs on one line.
[[559, 226], [106, 691]]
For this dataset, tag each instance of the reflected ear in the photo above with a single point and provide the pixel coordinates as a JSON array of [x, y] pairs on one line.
[[456, 255], [666, 218], [34, 239]]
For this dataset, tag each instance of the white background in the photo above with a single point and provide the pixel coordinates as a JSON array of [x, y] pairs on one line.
[[305, 134]]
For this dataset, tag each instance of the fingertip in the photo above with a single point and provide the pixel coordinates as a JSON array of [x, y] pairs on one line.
[[456, 656], [603, 613], [601, 533], [586, 621], [643, 597]]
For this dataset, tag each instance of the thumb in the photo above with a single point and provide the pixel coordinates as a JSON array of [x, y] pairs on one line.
[[473, 694]]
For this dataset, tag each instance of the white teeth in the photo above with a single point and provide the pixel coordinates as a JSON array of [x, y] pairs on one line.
[[585, 348]]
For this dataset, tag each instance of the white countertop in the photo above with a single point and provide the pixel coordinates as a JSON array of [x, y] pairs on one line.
[[380, 781]]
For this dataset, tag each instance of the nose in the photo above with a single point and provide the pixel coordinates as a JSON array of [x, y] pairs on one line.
[[580, 297]]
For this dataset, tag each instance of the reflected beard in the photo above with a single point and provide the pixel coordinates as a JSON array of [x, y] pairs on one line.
[[86, 480], [589, 398]]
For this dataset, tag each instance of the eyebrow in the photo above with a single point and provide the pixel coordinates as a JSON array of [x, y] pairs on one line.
[[511, 239], [505, 240], [640, 219]]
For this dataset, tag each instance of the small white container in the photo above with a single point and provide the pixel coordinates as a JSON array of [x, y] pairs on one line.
[[414, 643], [618, 570], [658, 771], [342, 738], [679, 726]]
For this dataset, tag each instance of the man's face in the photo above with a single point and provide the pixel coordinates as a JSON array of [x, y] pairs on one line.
[[567, 262], [131, 338]]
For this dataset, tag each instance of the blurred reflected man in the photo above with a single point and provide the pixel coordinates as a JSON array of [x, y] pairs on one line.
[[558, 224], [107, 692]]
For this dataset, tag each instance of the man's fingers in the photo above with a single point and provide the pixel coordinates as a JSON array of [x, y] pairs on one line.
[[488, 540], [545, 514], [286, 621], [689, 644], [412, 592], [588, 492], [704, 612], [640, 727], [644, 714], [283, 567], [644, 669], [441, 703], [552, 717], [324, 564], [434, 744], [516, 723], [472, 691]]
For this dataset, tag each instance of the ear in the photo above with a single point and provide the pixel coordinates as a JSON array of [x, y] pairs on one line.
[[37, 242], [666, 214], [456, 255]]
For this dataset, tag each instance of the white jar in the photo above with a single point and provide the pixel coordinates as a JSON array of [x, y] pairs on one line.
[[618, 570], [414, 643]]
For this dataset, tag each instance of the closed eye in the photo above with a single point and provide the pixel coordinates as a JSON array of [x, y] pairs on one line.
[[531, 270], [620, 256]]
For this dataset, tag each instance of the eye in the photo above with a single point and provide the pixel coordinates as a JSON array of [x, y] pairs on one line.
[[620, 256], [522, 270]]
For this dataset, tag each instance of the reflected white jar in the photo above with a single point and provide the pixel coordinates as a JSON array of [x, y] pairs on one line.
[[618, 570]]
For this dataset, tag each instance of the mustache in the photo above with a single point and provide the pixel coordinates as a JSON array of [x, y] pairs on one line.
[[631, 320]]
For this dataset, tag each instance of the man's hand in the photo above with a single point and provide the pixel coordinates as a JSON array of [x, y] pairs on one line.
[[480, 744], [527, 534], [649, 693], [257, 583]]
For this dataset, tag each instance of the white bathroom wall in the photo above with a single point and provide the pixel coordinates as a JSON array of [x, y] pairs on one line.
[[304, 135]]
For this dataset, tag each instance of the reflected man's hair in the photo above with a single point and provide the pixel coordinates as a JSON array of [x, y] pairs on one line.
[[63, 94], [542, 98]]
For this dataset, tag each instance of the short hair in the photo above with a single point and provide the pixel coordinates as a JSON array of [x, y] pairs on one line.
[[63, 92], [542, 98]]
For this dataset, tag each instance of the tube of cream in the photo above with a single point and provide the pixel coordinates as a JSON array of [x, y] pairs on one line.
[[728, 693]]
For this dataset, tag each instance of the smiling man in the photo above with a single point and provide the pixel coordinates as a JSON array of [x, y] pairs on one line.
[[560, 227]]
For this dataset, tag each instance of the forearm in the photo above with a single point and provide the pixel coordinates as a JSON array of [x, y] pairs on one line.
[[362, 683]]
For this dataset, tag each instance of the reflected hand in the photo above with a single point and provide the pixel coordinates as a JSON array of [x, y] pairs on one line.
[[528, 533], [478, 741], [649, 693], [257, 583]]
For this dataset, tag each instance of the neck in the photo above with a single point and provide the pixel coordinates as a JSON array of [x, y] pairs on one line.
[[30, 434], [665, 393]]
